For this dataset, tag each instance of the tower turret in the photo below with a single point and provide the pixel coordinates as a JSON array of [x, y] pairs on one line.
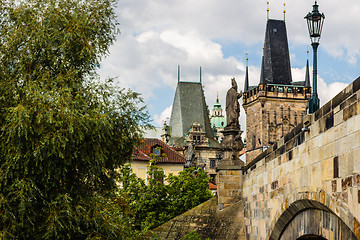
[[277, 104]]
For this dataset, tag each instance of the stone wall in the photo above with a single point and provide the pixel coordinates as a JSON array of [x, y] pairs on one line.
[[306, 184], [271, 115], [206, 220], [204, 155], [317, 161]]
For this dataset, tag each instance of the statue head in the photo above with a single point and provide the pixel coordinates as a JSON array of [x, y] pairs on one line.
[[233, 83]]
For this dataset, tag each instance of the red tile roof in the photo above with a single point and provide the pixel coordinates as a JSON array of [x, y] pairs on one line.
[[139, 155], [212, 186], [143, 152]]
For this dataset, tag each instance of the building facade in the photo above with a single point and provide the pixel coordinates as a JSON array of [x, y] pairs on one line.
[[164, 156], [190, 125]]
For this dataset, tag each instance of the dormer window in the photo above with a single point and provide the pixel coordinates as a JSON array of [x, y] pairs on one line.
[[156, 151]]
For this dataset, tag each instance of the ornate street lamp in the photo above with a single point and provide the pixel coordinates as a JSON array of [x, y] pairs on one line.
[[315, 21]]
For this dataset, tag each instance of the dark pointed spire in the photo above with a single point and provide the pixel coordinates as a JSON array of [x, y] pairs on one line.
[[276, 66], [262, 77], [307, 73], [246, 86]]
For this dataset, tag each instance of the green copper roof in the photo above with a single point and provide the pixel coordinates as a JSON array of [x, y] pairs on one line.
[[218, 122], [189, 106]]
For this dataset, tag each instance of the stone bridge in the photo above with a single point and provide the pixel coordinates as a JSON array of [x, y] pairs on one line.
[[305, 186]]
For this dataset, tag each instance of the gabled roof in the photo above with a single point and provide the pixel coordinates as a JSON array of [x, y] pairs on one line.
[[276, 65], [143, 153]]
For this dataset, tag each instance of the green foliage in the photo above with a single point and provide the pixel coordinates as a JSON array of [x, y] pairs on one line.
[[155, 203], [63, 132], [188, 189]]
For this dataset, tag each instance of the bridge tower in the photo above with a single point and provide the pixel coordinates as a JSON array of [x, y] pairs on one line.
[[276, 104]]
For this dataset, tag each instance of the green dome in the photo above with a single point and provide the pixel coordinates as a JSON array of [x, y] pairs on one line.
[[217, 119], [218, 122]]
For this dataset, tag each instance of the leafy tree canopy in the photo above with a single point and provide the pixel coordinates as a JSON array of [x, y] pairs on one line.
[[63, 132], [155, 203]]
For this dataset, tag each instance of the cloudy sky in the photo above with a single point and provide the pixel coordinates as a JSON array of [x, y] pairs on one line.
[[158, 35]]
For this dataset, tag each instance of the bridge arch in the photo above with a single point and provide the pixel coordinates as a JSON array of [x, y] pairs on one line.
[[310, 219]]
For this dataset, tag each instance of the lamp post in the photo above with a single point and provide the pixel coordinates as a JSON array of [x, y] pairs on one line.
[[315, 21]]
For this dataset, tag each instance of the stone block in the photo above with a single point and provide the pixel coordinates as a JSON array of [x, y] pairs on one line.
[[236, 173], [229, 179], [315, 177], [326, 168], [232, 186], [350, 125]]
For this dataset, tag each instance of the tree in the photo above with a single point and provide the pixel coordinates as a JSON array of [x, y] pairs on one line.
[[156, 203], [63, 131], [188, 189]]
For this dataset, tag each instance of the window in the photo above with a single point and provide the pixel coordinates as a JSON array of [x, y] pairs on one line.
[[270, 88], [281, 89], [157, 151], [290, 90]]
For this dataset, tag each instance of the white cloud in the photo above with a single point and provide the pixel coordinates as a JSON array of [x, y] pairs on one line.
[[158, 35], [325, 91], [328, 91], [164, 116]]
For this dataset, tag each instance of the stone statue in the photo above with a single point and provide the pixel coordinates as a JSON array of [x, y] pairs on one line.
[[233, 106], [190, 156]]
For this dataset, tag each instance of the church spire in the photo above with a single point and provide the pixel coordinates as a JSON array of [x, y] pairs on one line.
[[307, 73], [246, 86], [262, 77]]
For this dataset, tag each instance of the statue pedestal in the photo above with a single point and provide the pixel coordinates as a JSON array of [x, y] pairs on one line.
[[231, 145], [229, 169]]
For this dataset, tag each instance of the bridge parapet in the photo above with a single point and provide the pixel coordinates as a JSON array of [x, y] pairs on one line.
[[318, 161]]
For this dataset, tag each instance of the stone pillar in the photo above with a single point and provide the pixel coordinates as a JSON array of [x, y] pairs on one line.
[[229, 169]]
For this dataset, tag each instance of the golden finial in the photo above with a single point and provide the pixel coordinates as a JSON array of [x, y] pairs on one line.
[[307, 52], [284, 11], [267, 10], [217, 96], [247, 59]]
